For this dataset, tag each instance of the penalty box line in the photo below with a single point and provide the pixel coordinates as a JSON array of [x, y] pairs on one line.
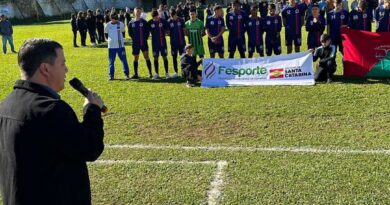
[[214, 192], [254, 149]]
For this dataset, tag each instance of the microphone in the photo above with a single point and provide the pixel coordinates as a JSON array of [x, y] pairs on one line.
[[78, 85]]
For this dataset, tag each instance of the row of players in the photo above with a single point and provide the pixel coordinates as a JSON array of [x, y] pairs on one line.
[[239, 24]]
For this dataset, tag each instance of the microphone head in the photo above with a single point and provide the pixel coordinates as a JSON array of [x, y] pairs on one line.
[[75, 83]]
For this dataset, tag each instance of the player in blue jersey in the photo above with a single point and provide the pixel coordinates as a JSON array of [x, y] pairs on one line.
[[158, 27], [315, 25], [215, 27], [336, 19], [382, 17], [139, 32], [177, 36], [293, 17], [255, 29], [360, 19], [236, 23], [272, 27]]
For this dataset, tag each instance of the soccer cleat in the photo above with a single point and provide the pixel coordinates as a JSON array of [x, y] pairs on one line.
[[167, 76], [111, 78], [127, 77], [175, 75], [156, 77], [135, 77]]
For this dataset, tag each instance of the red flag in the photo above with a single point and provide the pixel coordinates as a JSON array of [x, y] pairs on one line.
[[363, 50]]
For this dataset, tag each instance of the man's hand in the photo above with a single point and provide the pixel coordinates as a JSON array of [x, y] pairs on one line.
[[93, 98]]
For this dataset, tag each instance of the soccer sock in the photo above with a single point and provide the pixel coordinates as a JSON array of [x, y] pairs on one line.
[[166, 65], [135, 63], [174, 58], [156, 65], [242, 54], [231, 54], [149, 64], [250, 55]]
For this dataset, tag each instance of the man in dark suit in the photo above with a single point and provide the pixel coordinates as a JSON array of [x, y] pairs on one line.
[[43, 146]]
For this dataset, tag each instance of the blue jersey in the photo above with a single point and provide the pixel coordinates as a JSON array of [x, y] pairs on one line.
[[382, 17], [255, 28], [335, 20], [157, 29], [236, 24], [360, 20], [293, 17], [176, 31], [215, 25], [272, 25], [139, 32], [315, 30]]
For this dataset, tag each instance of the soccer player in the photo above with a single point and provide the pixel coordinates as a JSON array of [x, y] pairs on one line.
[[255, 28], [263, 7], [273, 26], [293, 18], [158, 27], [139, 32], [215, 27], [382, 17], [236, 23], [336, 19], [315, 25], [194, 29], [360, 19], [176, 32], [327, 55], [114, 31]]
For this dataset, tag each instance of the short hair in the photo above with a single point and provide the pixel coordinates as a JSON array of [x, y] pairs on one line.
[[254, 7], [154, 13], [325, 37], [193, 10], [172, 12], [114, 16], [217, 7], [272, 6], [188, 46], [138, 8], [236, 2], [339, 1], [36, 51]]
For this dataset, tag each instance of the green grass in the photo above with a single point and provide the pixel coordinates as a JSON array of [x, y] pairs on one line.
[[349, 113]]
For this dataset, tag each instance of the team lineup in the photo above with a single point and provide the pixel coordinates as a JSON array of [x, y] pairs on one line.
[[242, 21]]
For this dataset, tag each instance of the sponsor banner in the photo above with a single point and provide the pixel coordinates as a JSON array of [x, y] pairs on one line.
[[292, 69]]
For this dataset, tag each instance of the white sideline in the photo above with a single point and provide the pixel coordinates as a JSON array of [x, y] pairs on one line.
[[255, 149], [214, 193]]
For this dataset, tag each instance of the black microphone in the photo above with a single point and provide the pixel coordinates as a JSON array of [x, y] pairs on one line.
[[78, 85]]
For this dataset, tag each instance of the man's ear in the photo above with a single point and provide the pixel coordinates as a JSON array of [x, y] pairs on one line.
[[44, 69]]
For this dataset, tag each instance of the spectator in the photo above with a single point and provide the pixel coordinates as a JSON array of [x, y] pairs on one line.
[[74, 29], [100, 26], [82, 27], [91, 24], [6, 31]]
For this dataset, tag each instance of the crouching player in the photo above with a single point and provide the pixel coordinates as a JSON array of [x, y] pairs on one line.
[[189, 66], [327, 55]]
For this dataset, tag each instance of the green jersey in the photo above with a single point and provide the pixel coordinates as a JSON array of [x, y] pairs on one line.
[[195, 30]]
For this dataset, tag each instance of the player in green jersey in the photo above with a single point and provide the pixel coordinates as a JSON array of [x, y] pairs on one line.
[[194, 29]]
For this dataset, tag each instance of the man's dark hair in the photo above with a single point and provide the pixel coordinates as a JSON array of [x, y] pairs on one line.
[[173, 12], [236, 2], [272, 6], [339, 1], [114, 16], [154, 13], [217, 7], [36, 51], [192, 10]]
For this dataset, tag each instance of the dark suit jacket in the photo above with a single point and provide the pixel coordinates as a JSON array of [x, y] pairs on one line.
[[44, 148]]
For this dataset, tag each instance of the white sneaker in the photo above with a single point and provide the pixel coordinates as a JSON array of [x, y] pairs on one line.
[[167, 76], [175, 75], [156, 77]]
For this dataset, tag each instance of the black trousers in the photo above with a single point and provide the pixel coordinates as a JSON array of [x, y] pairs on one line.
[[83, 35], [191, 74], [100, 30], [325, 71], [92, 35], [74, 37]]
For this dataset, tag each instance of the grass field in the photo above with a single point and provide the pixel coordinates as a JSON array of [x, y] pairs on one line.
[[322, 144]]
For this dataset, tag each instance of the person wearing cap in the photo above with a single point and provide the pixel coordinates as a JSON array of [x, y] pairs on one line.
[[114, 32], [255, 30], [6, 32], [236, 23], [361, 18], [215, 27], [158, 28], [293, 18], [382, 17], [189, 66], [273, 26], [315, 25], [327, 55]]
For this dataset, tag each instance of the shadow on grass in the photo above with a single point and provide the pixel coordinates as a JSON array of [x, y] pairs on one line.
[[104, 45], [162, 80], [350, 80]]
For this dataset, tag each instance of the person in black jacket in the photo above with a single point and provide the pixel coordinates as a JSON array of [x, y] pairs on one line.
[[74, 29], [82, 27], [327, 55], [100, 26], [189, 66], [43, 146], [91, 24]]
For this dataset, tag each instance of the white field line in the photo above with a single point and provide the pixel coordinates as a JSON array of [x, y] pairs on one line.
[[255, 149], [214, 193]]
